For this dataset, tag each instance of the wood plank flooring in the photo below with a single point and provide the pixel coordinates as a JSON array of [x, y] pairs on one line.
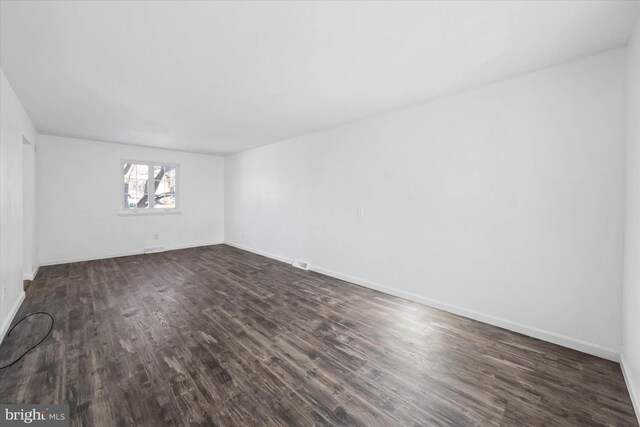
[[220, 336]]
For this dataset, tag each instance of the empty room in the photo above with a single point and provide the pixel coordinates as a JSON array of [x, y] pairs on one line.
[[301, 213]]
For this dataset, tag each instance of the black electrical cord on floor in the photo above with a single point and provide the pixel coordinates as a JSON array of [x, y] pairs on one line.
[[39, 342]]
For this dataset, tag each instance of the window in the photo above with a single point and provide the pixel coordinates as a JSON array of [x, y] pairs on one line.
[[142, 179]]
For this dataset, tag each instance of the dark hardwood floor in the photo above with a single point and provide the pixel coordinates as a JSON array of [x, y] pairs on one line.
[[219, 336]]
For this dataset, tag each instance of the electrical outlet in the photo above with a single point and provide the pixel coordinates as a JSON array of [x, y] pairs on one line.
[[156, 236], [360, 211]]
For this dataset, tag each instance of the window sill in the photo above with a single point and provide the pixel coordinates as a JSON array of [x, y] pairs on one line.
[[145, 212]]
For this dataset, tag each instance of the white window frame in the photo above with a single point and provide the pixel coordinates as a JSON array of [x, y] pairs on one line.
[[151, 210]]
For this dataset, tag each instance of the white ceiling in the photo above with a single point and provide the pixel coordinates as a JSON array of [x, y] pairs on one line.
[[228, 76]]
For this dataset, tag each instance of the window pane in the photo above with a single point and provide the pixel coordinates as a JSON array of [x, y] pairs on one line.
[[136, 180], [165, 187], [130, 201], [170, 172], [135, 186], [142, 172]]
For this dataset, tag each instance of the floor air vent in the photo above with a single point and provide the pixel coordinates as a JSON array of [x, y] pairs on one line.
[[304, 265]]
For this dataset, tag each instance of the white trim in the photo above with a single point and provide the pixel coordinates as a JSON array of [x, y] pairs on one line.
[[32, 275], [259, 252], [563, 340], [150, 189], [155, 211], [633, 393], [12, 314], [126, 253], [90, 258]]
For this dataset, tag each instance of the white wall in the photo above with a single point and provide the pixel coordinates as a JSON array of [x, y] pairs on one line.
[[79, 218], [29, 211], [14, 126], [631, 291], [504, 203]]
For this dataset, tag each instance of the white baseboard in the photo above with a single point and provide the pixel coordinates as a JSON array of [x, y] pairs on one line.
[[121, 254], [32, 275], [634, 393], [563, 340], [89, 258], [259, 252], [12, 314]]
